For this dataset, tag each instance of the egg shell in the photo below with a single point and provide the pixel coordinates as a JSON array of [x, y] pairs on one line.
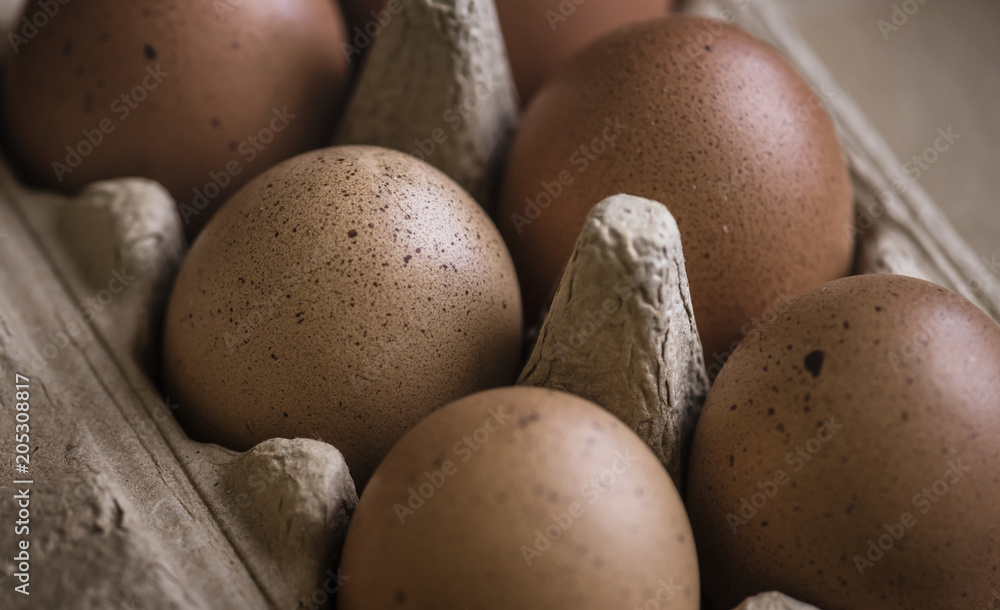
[[193, 94], [520, 498], [542, 35], [342, 295], [865, 414], [712, 123]]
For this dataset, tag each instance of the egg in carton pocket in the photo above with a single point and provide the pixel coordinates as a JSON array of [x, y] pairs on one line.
[[263, 528], [117, 481]]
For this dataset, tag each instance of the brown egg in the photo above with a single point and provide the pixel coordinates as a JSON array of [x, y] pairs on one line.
[[200, 96], [541, 35], [520, 498], [712, 123], [342, 295], [847, 454]]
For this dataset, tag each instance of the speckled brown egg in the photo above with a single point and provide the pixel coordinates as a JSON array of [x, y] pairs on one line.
[[712, 123], [542, 35], [520, 498], [847, 454], [200, 96], [342, 295]]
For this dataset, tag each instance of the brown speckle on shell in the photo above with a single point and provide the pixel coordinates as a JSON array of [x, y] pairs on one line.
[[814, 362], [732, 141], [169, 99], [560, 526], [893, 405], [317, 326]]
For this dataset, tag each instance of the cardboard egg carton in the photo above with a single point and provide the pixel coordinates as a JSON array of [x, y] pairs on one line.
[[127, 512]]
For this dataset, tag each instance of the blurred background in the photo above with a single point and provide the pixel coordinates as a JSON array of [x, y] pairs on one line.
[[939, 69], [913, 66]]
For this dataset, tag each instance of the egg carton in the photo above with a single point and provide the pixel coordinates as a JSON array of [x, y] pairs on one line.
[[127, 512]]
